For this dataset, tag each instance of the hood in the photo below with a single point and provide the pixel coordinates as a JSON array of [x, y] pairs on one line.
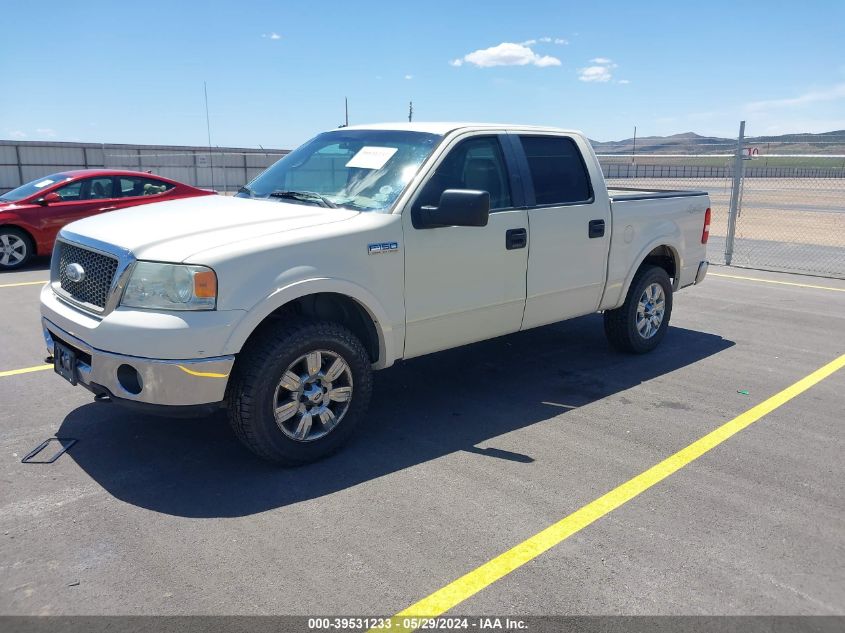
[[175, 230]]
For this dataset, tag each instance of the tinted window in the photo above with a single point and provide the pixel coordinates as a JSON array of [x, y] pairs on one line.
[[131, 186], [557, 171], [476, 163], [71, 192], [100, 188]]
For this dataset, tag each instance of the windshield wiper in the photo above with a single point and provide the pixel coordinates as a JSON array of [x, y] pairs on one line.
[[305, 196], [246, 190]]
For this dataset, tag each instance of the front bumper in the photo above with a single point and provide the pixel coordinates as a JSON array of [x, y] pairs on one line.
[[168, 383]]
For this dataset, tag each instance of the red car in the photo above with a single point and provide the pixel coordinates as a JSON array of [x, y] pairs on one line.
[[32, 214]]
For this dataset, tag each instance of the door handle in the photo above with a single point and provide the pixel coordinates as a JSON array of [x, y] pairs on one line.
[[596, 228], [516, 238]]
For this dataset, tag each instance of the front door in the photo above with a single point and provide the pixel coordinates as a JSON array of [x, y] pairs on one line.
[[466, 284], [79, 199]]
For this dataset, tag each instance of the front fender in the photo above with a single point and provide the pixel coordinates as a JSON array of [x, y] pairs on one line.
[[390, 337]]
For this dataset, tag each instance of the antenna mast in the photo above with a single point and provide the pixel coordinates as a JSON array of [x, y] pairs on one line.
[[208, 129]]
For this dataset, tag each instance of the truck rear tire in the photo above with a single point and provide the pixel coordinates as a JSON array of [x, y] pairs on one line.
[[298, 391], [641, 322]]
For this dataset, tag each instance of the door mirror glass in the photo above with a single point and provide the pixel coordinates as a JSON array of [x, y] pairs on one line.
[[457, 207]]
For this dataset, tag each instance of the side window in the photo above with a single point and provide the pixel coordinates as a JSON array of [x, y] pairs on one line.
[[476, 163], [71, 192], [131, 186], [557, 170], [100, 188]]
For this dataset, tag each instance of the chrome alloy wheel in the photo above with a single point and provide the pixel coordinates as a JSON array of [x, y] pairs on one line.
[[650, 310], [313, 395], [12, 250]]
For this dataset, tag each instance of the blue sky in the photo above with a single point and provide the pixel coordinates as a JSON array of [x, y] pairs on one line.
[[277, 72]]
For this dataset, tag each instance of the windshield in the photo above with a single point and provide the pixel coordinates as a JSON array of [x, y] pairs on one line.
[[365, 170], [24, 191]]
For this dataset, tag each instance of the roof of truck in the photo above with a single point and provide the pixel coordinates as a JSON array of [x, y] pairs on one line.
[[446, 127]]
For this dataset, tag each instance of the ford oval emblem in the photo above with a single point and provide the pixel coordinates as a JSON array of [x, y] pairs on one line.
[[75, 272]]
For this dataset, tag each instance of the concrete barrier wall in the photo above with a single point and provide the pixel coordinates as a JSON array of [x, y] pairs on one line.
[[220, 168]]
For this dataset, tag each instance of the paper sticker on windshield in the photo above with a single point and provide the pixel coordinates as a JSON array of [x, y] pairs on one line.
[[44, 183], [372, 157]]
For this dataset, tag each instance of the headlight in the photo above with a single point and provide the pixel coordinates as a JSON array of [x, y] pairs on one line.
[[171, 287]]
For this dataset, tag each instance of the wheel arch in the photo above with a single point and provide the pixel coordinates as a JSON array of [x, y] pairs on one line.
[[329, 300], [32, 241], [660, 253]]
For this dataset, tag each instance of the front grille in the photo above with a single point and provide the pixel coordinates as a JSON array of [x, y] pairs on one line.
[[99, 273]]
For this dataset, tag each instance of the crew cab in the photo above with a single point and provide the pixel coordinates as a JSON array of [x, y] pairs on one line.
[[364, 246]]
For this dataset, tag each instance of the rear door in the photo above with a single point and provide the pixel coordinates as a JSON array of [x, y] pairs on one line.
[[569, 226], [466, 284]]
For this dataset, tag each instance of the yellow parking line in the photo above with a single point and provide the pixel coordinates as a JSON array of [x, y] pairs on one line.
[[775, 281], [468, 585], [24, 283], [25, 370]]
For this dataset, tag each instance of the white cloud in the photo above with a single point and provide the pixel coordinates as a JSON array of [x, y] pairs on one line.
[[46, 131], [834, 93], [624, 81], [598, 73], [545, 40], [272, 36], [409, 76], [506, 54], [595, 73], [17, 134]]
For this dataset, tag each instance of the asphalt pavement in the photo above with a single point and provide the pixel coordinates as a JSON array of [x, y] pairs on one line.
[[466, 454]]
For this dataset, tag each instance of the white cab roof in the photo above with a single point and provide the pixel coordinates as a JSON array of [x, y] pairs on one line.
[[446, 127]]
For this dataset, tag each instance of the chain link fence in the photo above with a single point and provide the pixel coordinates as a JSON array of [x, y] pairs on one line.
[[790, 209]]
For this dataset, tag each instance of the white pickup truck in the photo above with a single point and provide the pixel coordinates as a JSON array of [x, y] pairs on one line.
[[364, 246]]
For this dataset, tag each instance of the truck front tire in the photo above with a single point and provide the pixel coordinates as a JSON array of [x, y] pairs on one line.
[[298, 391], [641, 322]]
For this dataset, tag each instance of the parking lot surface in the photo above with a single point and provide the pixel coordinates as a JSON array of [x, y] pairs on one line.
[[466, 454]]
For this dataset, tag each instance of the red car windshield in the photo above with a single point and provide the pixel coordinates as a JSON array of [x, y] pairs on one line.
[[30, 188]]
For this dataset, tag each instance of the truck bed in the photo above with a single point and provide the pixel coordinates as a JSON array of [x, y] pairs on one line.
[[618, 194]]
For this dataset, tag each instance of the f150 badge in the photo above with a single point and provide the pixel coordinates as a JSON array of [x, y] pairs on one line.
[[382, 247]]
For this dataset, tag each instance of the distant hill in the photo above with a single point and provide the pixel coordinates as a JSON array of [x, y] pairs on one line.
[[692, 143]]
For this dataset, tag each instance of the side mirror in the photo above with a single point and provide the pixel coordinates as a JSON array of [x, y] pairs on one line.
[[457, 207], [49, 198]]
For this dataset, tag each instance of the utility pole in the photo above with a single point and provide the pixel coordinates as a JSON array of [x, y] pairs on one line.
[[410, 111], [208, 129], [346, 111], [634, 151]]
